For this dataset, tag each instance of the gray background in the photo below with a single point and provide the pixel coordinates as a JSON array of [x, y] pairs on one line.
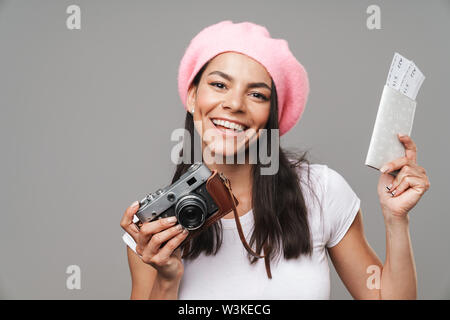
[[86, 118]]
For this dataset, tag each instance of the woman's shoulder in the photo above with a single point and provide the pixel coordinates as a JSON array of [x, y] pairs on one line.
[[321, 179], [318, 172], [312, 178], [315, 172]]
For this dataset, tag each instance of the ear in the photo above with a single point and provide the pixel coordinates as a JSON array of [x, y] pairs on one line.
[[191, 97]]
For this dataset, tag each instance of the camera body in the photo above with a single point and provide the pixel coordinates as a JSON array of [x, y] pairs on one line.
[[188, 199]]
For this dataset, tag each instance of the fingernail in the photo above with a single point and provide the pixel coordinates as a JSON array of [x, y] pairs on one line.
[[185, 231], [393, 192], [171, 220], [401, 135], [134, 204], [389, 187], [384, 168]]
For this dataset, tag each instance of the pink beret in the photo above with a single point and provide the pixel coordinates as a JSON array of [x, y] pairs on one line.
[[289, 76]]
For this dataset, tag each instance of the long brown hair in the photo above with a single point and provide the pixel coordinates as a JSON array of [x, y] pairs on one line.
[[279, 208]]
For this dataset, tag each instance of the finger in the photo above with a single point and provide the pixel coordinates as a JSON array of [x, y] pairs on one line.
[[173, 244], [417, 183], [400, 186], [177, 252], [159, 238], [410, 147], [127, 220], [148, 229], [395, 164], [405, 171]]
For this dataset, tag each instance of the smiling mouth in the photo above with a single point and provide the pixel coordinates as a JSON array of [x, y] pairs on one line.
[[228, 125]]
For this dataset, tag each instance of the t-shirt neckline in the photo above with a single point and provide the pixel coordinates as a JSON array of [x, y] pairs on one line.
[[245, 219]]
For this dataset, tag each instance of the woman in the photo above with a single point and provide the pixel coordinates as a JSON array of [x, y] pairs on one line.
[[235, 80]]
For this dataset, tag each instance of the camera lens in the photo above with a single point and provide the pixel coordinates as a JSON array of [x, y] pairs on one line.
[[191, 211]]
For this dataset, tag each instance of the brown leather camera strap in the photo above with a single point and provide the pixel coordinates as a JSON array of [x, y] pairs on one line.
[[241, 233]]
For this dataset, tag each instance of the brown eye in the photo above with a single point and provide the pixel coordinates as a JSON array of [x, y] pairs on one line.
[[214, 84], [260, 96]]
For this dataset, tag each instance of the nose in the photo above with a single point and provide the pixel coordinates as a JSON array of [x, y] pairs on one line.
[[234, 102]]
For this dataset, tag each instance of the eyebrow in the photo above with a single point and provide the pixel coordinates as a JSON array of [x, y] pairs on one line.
[[250, 85]]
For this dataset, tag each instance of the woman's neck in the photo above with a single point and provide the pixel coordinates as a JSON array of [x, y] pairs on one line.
[[240, 176]]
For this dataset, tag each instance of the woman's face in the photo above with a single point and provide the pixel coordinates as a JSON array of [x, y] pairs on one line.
[[232, 103]]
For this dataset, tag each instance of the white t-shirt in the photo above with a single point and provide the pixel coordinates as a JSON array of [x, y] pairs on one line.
[[229, 274]]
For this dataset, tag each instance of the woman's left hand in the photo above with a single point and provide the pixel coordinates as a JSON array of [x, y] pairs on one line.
[[407, 187]]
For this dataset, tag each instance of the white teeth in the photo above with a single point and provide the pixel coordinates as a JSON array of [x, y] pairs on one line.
[[229, 125]]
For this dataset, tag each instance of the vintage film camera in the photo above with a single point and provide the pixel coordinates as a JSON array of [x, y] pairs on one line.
[[197, 199]]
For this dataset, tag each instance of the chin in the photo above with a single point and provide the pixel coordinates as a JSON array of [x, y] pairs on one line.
[[220, 150]]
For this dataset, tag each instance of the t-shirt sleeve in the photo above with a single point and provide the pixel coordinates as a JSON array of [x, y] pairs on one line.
[[341, 206], [128, 239]]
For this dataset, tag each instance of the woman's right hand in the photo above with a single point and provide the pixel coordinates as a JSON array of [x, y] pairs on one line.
[[149, 238]]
